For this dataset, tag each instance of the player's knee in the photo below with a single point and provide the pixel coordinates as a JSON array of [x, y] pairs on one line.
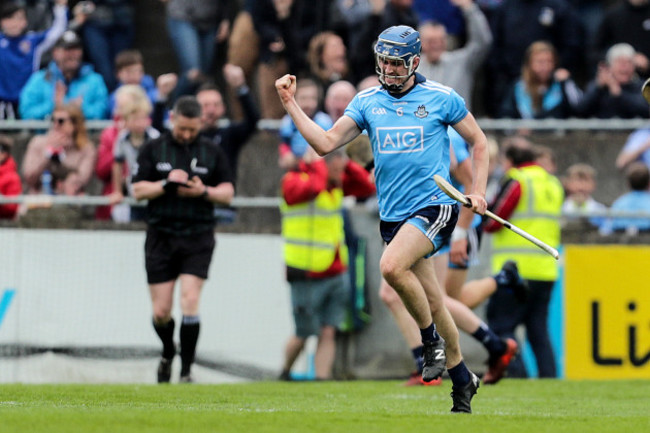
[[190, 302], [390, 270], [161, 314]]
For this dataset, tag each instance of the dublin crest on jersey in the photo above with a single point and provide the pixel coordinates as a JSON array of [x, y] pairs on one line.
[[421, 112]]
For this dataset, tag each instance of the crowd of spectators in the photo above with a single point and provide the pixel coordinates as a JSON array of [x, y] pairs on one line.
[[66, 61], [499, 43]]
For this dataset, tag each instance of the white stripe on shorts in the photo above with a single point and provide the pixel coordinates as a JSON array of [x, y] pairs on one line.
[[440, 223]]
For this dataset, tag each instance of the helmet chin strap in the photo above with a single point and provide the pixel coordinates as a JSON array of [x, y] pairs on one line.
[[394, 87]]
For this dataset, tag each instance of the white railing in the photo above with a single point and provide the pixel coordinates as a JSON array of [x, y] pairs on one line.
[[255, 202]]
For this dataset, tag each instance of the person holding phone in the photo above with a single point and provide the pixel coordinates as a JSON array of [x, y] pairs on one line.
[[182, 175]]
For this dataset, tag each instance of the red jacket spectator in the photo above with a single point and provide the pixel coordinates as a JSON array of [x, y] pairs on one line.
[[10, 184], [104, 166], [305, 183]]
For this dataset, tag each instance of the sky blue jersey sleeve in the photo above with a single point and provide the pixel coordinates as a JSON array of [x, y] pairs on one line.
[[457, 108], [354, 111]]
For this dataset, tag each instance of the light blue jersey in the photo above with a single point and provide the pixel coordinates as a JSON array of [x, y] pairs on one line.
[[461, 150], [409, 143]]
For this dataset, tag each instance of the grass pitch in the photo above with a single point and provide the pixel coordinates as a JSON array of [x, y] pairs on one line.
[[522, 406]]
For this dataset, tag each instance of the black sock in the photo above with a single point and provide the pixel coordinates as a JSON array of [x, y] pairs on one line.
[[459, 374], [166, 333], [491, 341], [189, 336], [418, 358], [429, 333]]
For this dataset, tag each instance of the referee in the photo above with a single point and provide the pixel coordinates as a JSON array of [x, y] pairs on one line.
[[183, 176]]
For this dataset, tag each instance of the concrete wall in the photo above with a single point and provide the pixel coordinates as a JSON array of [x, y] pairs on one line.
[[76, 288], [82, 288]]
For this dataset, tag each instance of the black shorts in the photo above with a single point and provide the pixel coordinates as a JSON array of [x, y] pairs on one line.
[[167, 256], [435, 222]]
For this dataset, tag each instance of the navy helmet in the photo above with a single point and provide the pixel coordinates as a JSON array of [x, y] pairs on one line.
[[397, 43]]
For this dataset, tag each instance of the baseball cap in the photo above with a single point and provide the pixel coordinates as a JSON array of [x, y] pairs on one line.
[[69, 40]]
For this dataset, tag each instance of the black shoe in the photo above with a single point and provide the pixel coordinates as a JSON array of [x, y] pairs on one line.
[[285, 376], [462, 396], [164, 370], [435, 359], [186, 378], [509, 279]]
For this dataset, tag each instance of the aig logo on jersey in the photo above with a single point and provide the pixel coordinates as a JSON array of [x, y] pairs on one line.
[[404, 139]]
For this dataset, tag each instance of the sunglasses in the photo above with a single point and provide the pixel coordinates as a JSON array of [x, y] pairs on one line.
[[60, 120]]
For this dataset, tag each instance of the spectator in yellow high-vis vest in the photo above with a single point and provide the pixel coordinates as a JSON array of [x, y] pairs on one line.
[[314, 250], [530, 198]]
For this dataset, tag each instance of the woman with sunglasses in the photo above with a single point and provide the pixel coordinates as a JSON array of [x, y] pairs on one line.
[[65, 144]]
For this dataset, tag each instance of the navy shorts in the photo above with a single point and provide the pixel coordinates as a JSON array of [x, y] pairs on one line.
[[167, 256], [435, 222]]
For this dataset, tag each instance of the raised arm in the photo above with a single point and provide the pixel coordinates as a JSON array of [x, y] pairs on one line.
[[323, 142], [629, 155], [472, 133], [479, 35]]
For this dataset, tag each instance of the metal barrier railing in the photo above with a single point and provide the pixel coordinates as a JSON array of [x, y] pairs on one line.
[[485, 123], [257, 202], [100, 200]]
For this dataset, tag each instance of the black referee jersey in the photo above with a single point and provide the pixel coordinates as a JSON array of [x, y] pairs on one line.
[[181, 215]]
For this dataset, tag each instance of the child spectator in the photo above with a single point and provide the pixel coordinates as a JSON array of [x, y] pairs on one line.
[[67, 181], [636, 200], [137, 131], [129, 69], [104, 168], [293, 146], [580, 183], [10, 184], [21, 51]]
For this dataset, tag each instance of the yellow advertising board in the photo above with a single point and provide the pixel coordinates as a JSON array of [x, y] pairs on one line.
[[607, 311]]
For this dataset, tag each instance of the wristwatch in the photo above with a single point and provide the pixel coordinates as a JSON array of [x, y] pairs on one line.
[[204, 196]]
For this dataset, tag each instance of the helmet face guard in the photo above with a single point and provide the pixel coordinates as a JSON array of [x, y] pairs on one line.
[[398, 44]]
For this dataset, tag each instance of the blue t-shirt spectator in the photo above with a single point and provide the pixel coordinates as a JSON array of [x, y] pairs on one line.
[[633, 201], [37, 97], [21, 54], [291, 136]]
